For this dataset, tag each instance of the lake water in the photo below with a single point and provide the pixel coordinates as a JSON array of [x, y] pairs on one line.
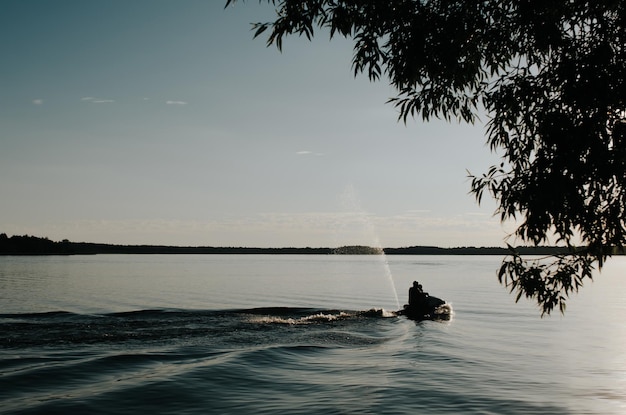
[[256, 334]]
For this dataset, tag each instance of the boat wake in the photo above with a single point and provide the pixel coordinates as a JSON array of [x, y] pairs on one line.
[[285, 316]]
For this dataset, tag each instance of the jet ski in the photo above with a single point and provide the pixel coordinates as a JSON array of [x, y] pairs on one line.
[[428, 308]]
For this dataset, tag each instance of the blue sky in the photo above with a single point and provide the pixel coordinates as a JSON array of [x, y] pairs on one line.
[[165, 122]]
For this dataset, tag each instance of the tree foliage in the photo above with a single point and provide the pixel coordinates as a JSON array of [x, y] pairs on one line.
[[550, 76]]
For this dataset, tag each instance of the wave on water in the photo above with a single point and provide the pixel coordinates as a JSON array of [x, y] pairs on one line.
[[219, 327], [62, 362], [248, 361], [269, 316], [313, 318], [61, 328], [445, 310]]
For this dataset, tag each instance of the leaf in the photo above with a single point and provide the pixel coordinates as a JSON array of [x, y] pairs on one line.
[[260, 28]]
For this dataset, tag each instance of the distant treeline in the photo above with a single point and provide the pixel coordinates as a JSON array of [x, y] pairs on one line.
[[32, 245], [470, 250]]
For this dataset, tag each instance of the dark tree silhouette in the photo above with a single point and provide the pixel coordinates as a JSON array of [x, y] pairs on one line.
[[549, 75], [28, 245]]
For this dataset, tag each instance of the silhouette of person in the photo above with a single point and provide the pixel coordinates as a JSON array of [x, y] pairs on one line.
[[415, 294], [418, 299]]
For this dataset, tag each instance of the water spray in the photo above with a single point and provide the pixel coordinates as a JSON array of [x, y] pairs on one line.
[[350, 201]]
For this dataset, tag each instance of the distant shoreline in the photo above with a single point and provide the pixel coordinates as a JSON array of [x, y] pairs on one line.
[[31, 245]]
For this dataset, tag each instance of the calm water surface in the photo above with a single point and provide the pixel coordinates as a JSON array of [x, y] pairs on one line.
[[262, 334]]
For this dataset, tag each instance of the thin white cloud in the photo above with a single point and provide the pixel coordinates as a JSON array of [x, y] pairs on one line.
[[417, 211], [94, 100], [38, 101], [176, 102], [308, 153]]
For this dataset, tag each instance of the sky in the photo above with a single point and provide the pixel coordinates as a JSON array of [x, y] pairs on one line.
[[164, 122]]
